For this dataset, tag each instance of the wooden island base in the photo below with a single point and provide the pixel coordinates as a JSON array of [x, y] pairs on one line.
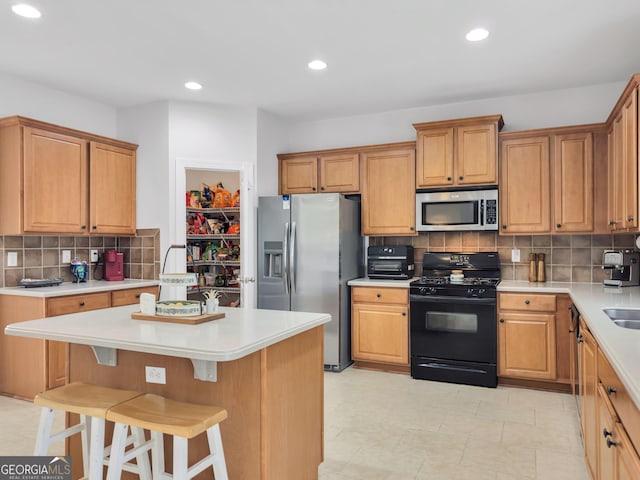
[[274, 398]]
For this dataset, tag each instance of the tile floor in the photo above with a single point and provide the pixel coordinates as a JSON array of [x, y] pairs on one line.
[[384, 426]]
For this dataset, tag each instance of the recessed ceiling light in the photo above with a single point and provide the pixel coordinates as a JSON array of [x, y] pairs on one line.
[[477, 34], [193, 85], [317, 65], [25, 10]]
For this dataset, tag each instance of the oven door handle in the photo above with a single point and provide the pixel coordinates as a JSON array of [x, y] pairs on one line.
[[453, 299]]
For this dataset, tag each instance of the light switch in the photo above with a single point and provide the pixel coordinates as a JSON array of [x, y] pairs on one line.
[[515, 255], [12, 259]]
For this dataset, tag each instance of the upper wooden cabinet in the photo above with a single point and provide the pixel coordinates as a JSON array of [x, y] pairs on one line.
[[623, 160], [388, 193], [58, 180], [524, 185], [547, 182], [457, 152], [320, 172]]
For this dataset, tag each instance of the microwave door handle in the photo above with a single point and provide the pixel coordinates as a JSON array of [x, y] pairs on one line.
[[285, 262], [481, 212]]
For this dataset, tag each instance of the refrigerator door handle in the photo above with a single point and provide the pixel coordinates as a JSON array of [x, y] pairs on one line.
[[292, 257], [285, 262]]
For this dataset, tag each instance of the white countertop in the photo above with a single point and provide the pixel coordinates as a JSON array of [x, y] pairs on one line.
[[620, 345], [92, 286], [241, 332], [375, 282]]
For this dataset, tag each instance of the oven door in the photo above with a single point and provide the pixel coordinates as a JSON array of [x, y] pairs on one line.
[[454, 328]]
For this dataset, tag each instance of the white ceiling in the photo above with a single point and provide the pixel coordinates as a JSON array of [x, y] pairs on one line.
[[382, 55]]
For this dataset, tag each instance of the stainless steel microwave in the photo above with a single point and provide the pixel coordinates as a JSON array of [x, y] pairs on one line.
[[457, 210]]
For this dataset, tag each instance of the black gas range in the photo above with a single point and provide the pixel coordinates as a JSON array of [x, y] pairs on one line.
[[453, 318]]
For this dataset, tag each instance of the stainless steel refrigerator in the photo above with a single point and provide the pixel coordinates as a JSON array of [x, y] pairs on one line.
[[309, 247]]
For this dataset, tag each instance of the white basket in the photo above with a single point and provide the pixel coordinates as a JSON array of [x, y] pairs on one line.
[[178, 308]]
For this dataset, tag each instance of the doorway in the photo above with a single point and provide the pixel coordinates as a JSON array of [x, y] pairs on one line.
[[221, 237]]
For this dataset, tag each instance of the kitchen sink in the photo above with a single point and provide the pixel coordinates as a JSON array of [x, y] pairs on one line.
[[624, 317]]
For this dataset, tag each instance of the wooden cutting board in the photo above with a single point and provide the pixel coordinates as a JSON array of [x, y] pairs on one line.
[[194, 320]]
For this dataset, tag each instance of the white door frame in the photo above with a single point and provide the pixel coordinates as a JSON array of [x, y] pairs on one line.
[[248, 246]]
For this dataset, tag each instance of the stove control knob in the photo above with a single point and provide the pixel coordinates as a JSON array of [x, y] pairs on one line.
[[481, 292], [471, 292]]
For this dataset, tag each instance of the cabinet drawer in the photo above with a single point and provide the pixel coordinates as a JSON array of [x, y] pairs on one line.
[[78, 303], [527, 302], [379, 295], [130, 296]]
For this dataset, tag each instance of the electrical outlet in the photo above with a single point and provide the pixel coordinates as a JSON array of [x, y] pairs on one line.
[[155, 375], [66, 256], [12, 259], [93, 256], [515, 255]]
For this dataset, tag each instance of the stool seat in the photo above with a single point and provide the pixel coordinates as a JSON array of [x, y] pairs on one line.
[[160, 414], [83, 399], [182, 421], [91, 403]]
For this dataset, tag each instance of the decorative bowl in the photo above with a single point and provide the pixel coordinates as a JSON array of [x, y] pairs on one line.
[[187, 279], [178, 308]]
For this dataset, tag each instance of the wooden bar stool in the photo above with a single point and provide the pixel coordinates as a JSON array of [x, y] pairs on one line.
[[182, 420], [91, 402]]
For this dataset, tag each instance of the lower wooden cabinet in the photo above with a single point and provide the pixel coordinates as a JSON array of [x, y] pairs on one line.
[[30, 365], [608, 417], [380, 326], [527, 336], [588, 392]]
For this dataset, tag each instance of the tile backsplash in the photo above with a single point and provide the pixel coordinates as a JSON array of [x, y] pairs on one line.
[[40, 256], [568, 258]]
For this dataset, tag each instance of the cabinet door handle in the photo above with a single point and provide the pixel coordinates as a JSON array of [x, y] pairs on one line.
[[527, 302], [611, 443], [138, 296], [504, 227], [94, 227], [612, 222], [558, 225], [630, 218], [502, 320], [411, 228], [378, 295], [321, 188], [404, 314], [606, 433], [460, 177], [82, 304], [611, 390], [580, 339], [313, 189], [448, 179], [83, 227]]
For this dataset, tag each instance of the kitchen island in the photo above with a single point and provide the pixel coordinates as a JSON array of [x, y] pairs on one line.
[[265, 367]]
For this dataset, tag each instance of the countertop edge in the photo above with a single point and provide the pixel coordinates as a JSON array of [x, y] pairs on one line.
[[65, 289]]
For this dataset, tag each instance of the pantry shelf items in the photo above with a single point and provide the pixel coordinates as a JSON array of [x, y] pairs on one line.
[[213, 237]]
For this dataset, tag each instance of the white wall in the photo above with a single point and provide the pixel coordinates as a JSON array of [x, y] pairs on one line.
[[574, 106], [273, 138], [29, 99], [148, 126]]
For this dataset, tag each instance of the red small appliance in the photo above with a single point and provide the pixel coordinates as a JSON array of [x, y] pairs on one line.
[[113, 266]]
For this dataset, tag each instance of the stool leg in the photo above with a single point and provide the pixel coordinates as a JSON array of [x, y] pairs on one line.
[[96, 448], [215, 447], [180, 465], [118, 445], [85, 439], [44, 431], [157, 455], [142, 460]]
